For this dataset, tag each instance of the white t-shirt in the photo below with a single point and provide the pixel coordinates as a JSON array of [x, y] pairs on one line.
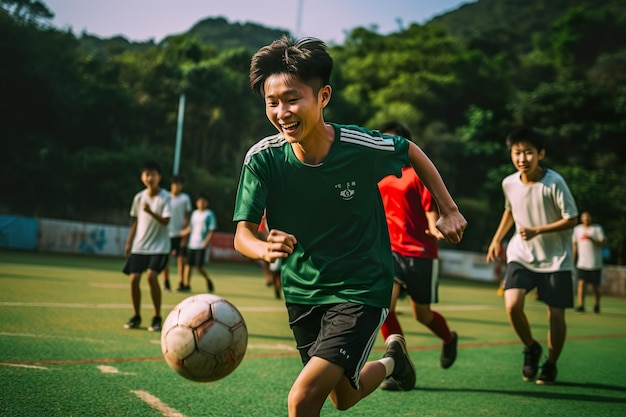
[[201, 223], [589, 254], [180, 207], [537, 204], [151, 237]]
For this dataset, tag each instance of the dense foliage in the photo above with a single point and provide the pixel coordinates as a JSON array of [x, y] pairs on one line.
[[79, 114]]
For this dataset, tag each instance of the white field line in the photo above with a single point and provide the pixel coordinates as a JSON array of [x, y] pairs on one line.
[[112, 370], [157, 404], [25, 366], [44, 336]]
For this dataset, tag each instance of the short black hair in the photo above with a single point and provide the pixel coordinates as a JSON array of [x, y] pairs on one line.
[[151, 166], [178, 179], [306, 59], [203, 196], [527, 134], [396, 128]]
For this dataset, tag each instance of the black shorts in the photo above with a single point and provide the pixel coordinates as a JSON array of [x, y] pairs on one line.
[[138, 263], [343, 334], [554, 288], [196, 257], [177, 249], [419, 276], [590, 277]]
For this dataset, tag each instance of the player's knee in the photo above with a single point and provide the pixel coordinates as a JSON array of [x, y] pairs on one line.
[[300, 402]]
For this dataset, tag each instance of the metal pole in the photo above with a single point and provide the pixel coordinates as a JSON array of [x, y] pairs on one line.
[[179, 132]]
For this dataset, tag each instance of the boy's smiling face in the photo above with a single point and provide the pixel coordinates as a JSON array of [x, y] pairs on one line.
[[293, 107], [526, 158]]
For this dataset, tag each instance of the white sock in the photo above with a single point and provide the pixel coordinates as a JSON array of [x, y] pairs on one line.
[[389, 364]]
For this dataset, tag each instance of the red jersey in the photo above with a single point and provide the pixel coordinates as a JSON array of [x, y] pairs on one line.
[[406, 202]]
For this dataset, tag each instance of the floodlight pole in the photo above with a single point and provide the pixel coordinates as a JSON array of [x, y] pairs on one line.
[[179, 132]]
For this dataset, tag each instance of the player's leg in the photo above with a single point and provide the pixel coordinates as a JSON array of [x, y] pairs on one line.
[[596, 279], [391, 324], [596, 297], [135, 295], [209, 283], [556, 290], [518, 282], [314, 384], [181, 261], [556, 333], [580, 292]]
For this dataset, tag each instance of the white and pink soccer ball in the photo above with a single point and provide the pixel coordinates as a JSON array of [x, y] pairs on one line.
[[204, 338]]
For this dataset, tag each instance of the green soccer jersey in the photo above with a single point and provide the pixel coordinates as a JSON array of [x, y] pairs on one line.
[[333, 209]]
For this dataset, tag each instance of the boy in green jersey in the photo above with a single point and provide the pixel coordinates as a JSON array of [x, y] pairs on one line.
[[318, 183]]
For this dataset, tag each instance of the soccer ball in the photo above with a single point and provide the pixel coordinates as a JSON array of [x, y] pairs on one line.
[[204, 338]]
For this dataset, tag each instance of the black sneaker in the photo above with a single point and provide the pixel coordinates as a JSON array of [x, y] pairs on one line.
[[166, 285], [133, 323], [579, 309], [156, 324], [390, 384], [183, 288], [448, 352], [548, 374], [403, 370], [596, 309], [532, 355]]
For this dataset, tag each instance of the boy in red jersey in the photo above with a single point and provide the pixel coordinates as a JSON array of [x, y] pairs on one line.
[[411, 217]]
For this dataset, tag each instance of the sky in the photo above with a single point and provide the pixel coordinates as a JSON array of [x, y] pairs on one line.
[[328, 20]]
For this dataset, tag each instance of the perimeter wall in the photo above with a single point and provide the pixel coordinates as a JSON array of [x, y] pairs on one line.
[[63, 236]]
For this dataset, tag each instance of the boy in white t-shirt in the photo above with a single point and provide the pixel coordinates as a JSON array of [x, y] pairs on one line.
[[202, 224], [588, 240], [180, 211], [539, 255], [148, 243]]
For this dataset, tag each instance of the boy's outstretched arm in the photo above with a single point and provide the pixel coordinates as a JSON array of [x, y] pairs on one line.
[[278, 244], [506, 222], [451, 222]]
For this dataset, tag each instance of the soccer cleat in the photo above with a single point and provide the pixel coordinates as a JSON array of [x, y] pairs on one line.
[[596, 309], [548, 374], [210, 285], [532, 355], [390, 384], [166, 285], [133, 323], [183, 288], [580, 309], [448, 351], [403, 370], [156, 324]]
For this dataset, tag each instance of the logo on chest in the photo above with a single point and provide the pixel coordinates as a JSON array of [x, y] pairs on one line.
[[346, 191]]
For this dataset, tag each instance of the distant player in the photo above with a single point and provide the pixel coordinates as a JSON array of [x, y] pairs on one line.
[[539, 255], [148, 243], [180, 211], [412, 215], [588, 240], [202, 225]]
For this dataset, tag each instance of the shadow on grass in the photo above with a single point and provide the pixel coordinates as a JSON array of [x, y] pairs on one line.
[[545, 394]]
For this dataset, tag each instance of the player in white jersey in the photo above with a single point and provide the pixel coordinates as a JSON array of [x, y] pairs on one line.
[[588, 240], [202, 224], [148, 243], [539, 255], [180, 208]]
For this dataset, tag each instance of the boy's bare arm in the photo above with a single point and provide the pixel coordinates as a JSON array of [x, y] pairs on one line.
[[451, 222], [495, 247], [563, 224], [278, 244]]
